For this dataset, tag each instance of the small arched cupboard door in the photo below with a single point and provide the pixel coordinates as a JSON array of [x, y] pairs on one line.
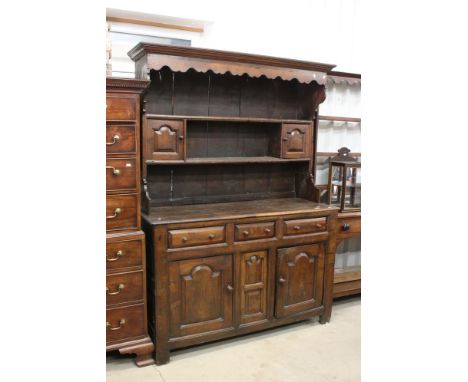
[[296, 140], [299, 279], [163, 139]]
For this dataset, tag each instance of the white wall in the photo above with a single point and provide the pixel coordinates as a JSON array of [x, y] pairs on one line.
[[314, 30]]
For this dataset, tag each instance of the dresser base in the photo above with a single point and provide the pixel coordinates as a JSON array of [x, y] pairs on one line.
[[143, 349]]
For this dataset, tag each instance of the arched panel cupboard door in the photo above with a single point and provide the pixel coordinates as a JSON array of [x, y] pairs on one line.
[[299, 279], [201, 295], [163, 140], [296, 140]]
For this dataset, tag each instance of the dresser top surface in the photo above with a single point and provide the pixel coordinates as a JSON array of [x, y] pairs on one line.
[[234, 210]]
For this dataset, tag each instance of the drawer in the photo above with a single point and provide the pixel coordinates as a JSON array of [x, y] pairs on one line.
[[254, 231], [196, 236], [121, 212], [120, 107], [120, 139], [124, 323], [121, 254], [303, 226], [124, 287], [121, 174], [350, 226]]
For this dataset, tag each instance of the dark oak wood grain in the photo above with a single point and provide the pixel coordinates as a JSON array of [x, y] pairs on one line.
[[208, 289], [235, 239]]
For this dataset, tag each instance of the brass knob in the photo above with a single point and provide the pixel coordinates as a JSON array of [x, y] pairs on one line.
[[230, 288], [118, 255], [115, 139], [184, 239], [267, 230], [121, 323], [120, 287], [297, 228], [285, 139], [117, 211], [181, 137], [282, 280], [318, 225], [245, 233], [211, 236]]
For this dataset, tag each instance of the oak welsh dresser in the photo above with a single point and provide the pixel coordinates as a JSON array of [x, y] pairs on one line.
[[236, 241], [126, 310]]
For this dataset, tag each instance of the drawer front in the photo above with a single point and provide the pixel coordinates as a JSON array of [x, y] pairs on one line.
[[124, 323], [121, 174], [303, 226], [123, 254], [196, 236], [120, 107], [254, 231], [120, 139], [350, 226], [121, 212], [124, 287]]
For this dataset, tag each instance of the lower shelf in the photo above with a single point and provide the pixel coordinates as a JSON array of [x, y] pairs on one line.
[[347, 282]]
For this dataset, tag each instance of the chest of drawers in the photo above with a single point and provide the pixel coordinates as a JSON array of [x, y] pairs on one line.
[[126, 322]]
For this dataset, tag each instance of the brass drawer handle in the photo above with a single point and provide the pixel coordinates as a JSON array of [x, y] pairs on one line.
[[118, 255], [184, 239], [245, 233], [211, 236], [117, 212], [121, 323], [297, 228], [181, 137], [282, 280], [115, 171], [267, 230], [120, 287], [230, 288], [115, 139], [318, 225]]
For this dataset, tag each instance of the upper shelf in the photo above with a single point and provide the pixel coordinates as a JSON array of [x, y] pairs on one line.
[[338, 119], [228, 160], [227, 119], [181, 59]]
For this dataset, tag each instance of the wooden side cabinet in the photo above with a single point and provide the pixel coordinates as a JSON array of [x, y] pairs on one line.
[[126, 309], [348, 281]]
